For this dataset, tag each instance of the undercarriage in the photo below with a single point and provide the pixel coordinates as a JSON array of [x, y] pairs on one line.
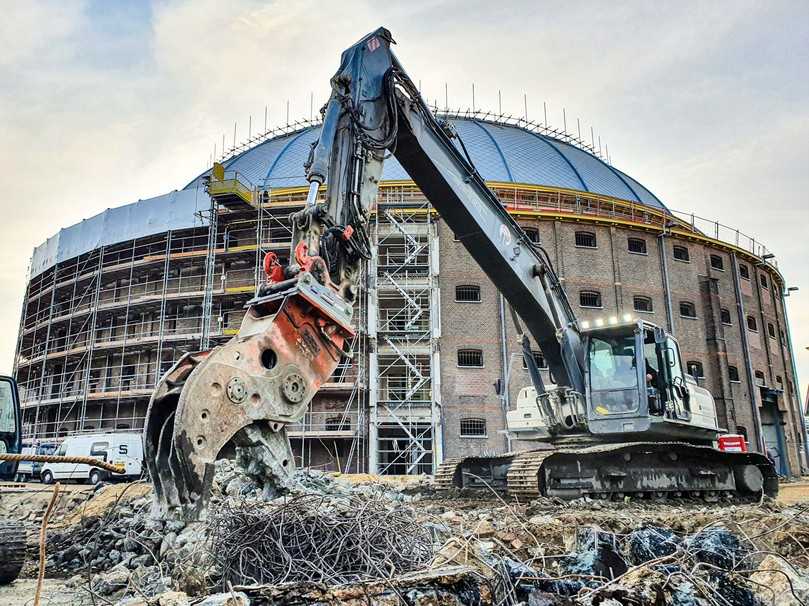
[[615, 471]]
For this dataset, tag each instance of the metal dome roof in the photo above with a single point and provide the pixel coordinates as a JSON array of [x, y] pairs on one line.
[[501, 152]]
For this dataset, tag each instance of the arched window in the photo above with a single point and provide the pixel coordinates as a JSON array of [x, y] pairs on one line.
[[681, 253], [642, 304], [744, 271], [759, 378], [717, 262], [470, 358], [590, 298], [763, 280], [733, 374], [636, 246], [725, 315], [532, 233], [473, 428], [771, 330], [695, 369], [752, 324], [585, 239], [539, 360], [687, 309], [467, 293]]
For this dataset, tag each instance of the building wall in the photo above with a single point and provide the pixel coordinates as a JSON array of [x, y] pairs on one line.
[[91, 349]]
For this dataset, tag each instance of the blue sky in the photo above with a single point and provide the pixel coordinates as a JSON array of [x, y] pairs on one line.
[[707, 104]]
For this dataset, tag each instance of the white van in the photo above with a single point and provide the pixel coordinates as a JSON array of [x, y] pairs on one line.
[[116, 448]]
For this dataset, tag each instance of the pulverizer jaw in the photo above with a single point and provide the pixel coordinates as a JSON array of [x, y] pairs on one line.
[[240, 396]]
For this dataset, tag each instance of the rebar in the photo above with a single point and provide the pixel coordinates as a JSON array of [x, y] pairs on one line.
[[318, 539]]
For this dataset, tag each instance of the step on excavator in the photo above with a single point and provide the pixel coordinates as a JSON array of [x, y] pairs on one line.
[[622, 417]]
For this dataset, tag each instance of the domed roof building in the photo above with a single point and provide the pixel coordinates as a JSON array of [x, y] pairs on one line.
[[113, 301]]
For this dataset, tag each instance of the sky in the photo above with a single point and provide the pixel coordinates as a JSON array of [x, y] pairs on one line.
[[106, 102]]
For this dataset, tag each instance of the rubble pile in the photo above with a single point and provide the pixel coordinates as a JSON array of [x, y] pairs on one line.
[[330, 541]]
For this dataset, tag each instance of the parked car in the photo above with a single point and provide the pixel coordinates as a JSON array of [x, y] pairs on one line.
[[28, 470], [117, 448]]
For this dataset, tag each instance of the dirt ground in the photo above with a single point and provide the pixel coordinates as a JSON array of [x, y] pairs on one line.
[[28, 502], [794, 492], [54, 593]]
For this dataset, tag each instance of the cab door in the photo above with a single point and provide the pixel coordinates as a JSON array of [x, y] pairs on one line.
[[676, 388]]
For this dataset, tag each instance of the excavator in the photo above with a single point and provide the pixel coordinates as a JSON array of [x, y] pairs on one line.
[[622, 417]]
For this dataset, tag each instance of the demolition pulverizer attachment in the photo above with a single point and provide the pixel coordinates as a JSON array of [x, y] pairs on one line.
[[243, 394]]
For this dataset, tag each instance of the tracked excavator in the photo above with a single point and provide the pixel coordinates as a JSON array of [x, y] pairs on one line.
[[622, 418]]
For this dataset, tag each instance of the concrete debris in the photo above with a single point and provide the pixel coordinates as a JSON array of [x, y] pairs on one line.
[[779, 583], [330, 540]]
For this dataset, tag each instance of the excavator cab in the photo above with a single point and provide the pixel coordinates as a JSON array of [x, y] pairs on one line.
[[636, 384]]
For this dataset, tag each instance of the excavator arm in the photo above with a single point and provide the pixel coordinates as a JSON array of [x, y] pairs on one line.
[[238, 398]]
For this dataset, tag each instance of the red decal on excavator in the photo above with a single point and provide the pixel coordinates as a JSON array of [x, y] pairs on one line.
[[272, 268], [348, 232]]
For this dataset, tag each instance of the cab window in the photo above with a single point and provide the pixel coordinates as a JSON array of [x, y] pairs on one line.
[[8, 420], [61, 450], [613, 374], [612, 363]]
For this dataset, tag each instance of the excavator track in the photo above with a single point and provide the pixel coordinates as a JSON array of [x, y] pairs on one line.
[[609, 471], [12, 550], [523, 475]]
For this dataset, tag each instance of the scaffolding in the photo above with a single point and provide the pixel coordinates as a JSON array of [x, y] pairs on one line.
[[404, 361], [99, 329]]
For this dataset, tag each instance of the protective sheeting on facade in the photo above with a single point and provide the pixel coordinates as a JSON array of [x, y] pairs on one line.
[[500, 152], [175, 210]]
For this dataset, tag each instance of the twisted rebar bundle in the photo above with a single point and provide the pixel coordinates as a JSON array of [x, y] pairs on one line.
[[316, 538]]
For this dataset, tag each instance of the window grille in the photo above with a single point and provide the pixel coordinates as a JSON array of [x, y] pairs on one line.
[[539, 360], [585, 239], [473, 428], [637, 246], [681, 253], [533, 234], [590, 298], [470, 358], [687, 309], [643, 304], [467, 293], [695, 369]]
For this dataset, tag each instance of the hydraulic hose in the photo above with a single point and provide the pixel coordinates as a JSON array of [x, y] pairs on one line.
[[35, 458]]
